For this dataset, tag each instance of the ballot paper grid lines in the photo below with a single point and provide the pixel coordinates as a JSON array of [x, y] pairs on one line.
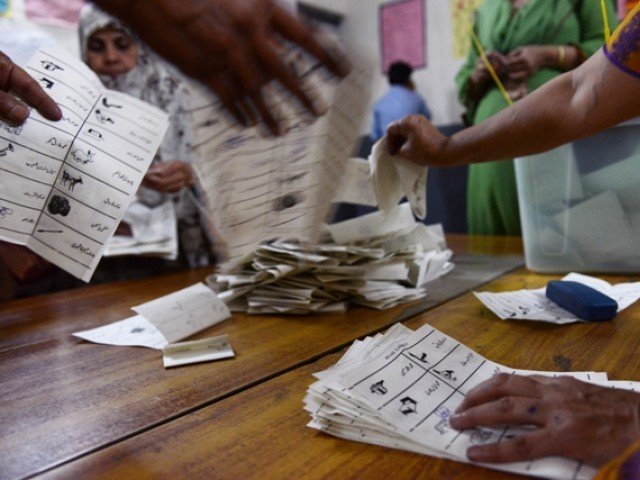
[[399, 390], [73, 180]]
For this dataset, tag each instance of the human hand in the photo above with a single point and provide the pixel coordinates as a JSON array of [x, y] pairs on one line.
[[15, 79], [578, 420], [23, 264], [169, 177], [498, 62], [232, 46], [417, 140], [523, 62]]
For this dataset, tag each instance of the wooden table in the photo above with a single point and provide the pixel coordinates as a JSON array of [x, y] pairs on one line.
[[72, 409]]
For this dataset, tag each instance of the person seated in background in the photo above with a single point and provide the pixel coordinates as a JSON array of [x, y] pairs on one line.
[[528, 43], [579, 420], [126, 65], [401, 100]]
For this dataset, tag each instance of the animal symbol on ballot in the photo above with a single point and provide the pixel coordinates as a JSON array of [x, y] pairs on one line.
[[50, 66], [379, 388], [46, 83], [102, 118], [5, 150], [408, 405], [83, 157], [72, 181], [59, 206]]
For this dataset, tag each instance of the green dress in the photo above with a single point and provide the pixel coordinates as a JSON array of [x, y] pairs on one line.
[[492, 198]]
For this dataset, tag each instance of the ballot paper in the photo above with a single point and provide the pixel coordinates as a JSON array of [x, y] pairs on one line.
[[395, 178], [534, 304], [385, 270], [356, 185], [66, 185], [259, 187], [165, 320], [154, 229], [399, 390]]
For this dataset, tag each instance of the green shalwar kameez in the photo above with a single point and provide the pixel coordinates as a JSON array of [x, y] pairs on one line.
[[492, 199]]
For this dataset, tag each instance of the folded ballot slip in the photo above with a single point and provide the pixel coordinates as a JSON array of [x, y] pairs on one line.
[[197, 351]]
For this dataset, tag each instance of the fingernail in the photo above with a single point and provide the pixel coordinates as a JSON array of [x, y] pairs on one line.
[[455, 420], [57, 112], [19, 113], [475, 454]]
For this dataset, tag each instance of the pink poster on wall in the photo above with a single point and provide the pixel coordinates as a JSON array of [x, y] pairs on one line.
[[403, 33], [54, 12]]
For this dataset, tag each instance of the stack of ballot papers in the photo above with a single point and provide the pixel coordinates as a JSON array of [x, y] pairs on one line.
[[399, 390], [377, 271]]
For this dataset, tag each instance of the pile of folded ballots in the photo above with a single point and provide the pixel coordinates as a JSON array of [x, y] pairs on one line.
[[381, 271]]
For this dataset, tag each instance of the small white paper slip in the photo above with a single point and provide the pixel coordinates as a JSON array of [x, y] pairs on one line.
[[198, 351], [394, 178], [131, 332], [185, 312], [534, 304]]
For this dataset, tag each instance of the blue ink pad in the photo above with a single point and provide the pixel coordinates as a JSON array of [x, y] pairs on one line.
[[584, 302]]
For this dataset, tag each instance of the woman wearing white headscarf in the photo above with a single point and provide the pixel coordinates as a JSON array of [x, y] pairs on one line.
[[124, 64]]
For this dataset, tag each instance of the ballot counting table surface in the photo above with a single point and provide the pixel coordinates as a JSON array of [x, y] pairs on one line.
[[73, 409]]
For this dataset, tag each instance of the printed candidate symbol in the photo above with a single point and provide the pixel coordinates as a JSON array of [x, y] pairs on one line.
[[137, 330], [447, 374], [83, 157], [95, 133], [50, 66], [4, 151], [102, 118], [72, 181], [59, 206], [379, 388], [108, 104], [408, 405], [422, 358], [46, 83]]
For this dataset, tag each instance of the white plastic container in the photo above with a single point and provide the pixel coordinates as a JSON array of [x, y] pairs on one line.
[[580, 204]]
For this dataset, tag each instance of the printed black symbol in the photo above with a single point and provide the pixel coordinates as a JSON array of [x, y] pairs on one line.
[[72, 181], [447, 374], [5, 150], [102, 118], [422, 358], [46, 83], [50, 66], [137, 330], [379, 388], [49, 231], [287, 201], [5, 212], [480, 436], [443, 425], [208, 123], [295, 178], [94, 133], [106, 103], [83, 157], [408, 405], [59, 206]]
